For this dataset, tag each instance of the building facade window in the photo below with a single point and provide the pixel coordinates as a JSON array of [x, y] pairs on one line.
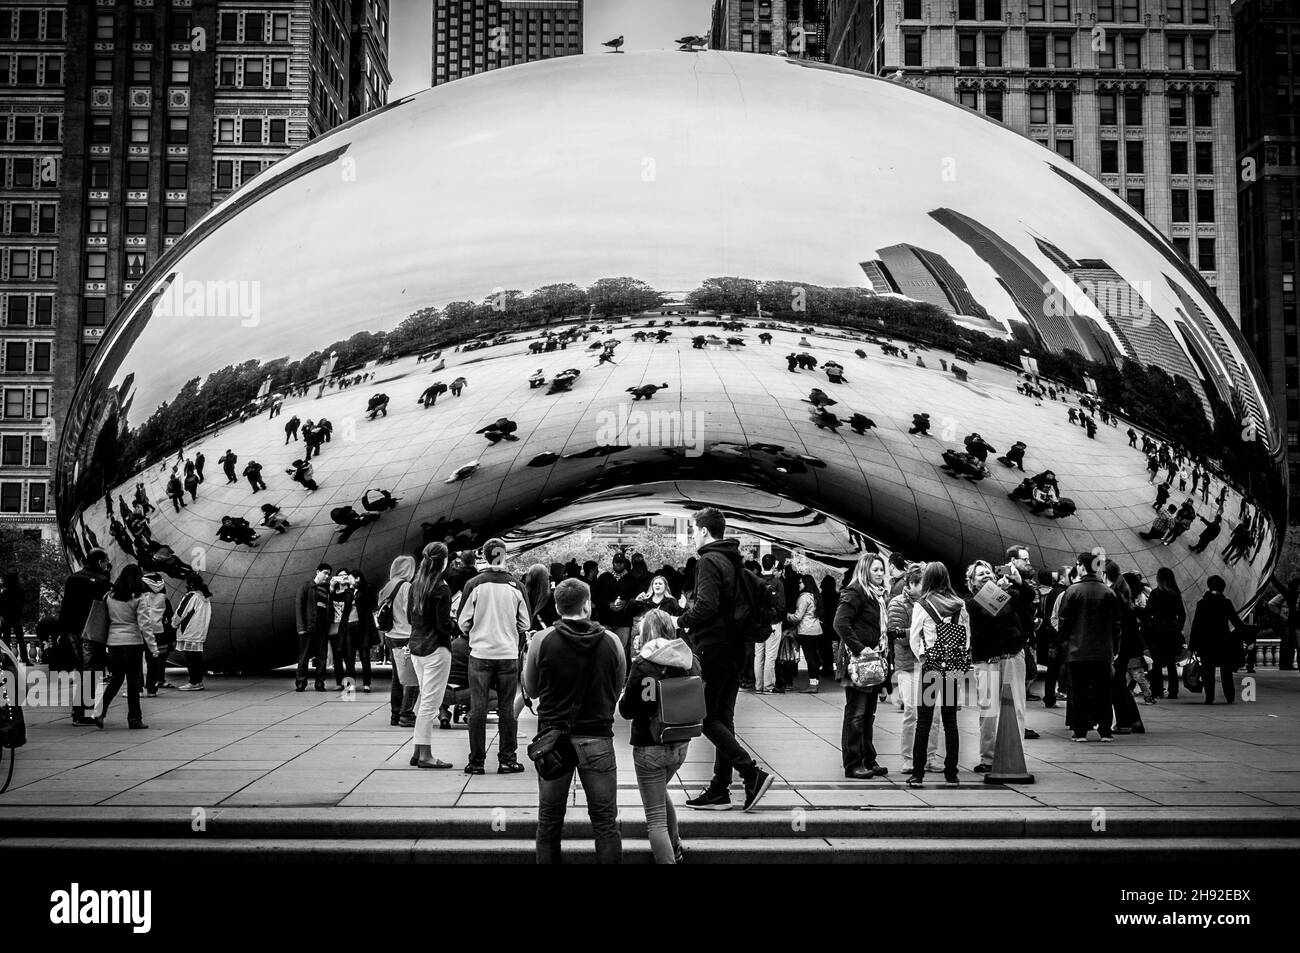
[[1178, 157], [1133, 157], [1109, 156], [1178, 200]]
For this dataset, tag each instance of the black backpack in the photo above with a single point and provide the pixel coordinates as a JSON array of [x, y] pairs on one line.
[[756, 607]]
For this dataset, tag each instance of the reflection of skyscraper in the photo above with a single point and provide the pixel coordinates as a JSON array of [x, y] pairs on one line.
[[913, 277], [1023, 281], [1143, 334], [879, 278], [1199, 328], [953, 284]]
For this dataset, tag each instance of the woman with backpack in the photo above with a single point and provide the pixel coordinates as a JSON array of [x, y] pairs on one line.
[[940, 640], [806, 619], [664, 655], [192, 619], [393, 598], [860, 624], [430, 645], [129, 631]]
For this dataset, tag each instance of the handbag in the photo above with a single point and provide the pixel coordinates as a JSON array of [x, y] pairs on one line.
[[13, 729], [96, 627], [552, 752], [1192, 676], [867, 669]]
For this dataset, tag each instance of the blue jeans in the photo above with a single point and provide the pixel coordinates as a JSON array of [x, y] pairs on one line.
[[655, 767], [598, 771], [485, 675]]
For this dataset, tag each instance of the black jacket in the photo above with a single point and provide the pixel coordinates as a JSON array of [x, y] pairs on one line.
[[553, 675], [431, 625], [711, 611], [1214, 637], [857, 620], [315, 609], [79, 591], [993, 636], [1165, 619]]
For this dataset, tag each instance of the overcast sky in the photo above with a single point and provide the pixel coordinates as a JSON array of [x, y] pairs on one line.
[[644, 24]]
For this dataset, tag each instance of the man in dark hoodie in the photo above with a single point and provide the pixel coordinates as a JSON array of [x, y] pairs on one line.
[[315, 612], [80, 590], [721, 651], [575, 670]]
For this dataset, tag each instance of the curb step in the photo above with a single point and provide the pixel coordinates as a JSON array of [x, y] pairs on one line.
[[164, 824], [1100, 848]]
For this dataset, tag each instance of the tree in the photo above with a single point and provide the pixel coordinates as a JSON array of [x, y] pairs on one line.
[[557, 302], [620, 296], [736, 296], [41, 569]]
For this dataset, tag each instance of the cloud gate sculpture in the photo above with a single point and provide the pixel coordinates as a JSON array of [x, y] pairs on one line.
[[846, 312]]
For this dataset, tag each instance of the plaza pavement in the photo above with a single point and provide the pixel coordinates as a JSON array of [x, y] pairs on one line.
[[252, 742]]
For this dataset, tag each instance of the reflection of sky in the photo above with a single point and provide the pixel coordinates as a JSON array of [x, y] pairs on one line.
[[668, 167]]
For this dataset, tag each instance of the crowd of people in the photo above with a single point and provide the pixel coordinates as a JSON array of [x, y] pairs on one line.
[[580, 647], [577, 645]]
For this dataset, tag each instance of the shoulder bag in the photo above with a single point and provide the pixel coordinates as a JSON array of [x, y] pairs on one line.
[[96, 627], [867, 669], [552, 752]]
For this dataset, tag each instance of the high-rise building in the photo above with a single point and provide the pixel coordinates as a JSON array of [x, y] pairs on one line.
[[795, 27], [1139, 93], [143, 117], [474, 36], [34, 62], [1268, 201]]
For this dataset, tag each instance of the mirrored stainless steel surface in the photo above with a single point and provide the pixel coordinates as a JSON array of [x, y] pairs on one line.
[[487, 232]]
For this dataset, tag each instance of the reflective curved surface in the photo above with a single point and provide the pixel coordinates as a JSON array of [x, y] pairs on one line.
[[473, 287]]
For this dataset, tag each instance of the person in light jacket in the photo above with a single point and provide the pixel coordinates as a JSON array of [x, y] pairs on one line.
[[405, 690], [130, 631], [193, 617], [155, 611], [907, 673], [936, 600], [806, 619]]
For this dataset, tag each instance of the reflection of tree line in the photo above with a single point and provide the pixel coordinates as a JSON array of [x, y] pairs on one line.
[[1145, 393]]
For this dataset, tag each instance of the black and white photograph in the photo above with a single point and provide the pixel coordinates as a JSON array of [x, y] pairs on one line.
[[444, 434]]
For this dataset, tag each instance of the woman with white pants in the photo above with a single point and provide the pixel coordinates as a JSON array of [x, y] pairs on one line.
[[429, 612]]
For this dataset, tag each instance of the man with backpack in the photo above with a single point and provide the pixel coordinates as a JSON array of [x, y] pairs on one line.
[[724, 612], [575, 670]]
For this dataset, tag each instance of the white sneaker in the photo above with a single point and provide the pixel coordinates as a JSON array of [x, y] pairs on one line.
[[191, 688]]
